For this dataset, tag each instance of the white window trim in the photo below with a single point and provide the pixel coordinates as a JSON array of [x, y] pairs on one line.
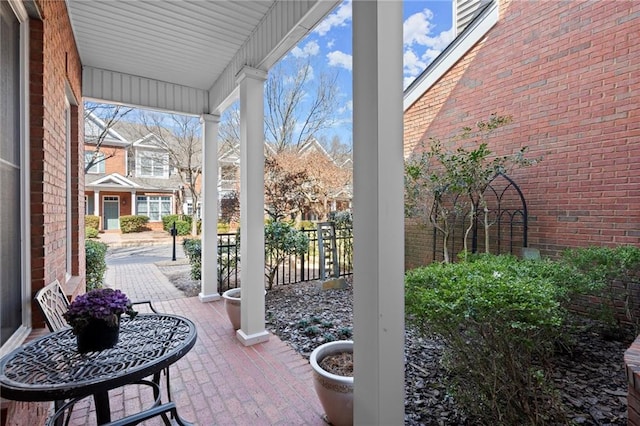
[[68, 192], [23, 331], [97, 166], [147, 197], [165, 163]]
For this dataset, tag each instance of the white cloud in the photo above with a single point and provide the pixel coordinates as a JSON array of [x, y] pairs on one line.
[[421, 47], [336, 19], [331, 43], [417, 27], [310, 49], [412, 64], [348, 107], [340, 59]]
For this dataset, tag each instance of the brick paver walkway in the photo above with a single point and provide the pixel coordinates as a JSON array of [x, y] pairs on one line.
[[219, 382]]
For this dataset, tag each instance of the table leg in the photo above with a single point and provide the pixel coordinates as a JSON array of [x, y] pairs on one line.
[[103, 410]]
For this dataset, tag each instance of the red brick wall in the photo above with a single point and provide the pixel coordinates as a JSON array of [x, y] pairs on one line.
[[55, 69], [569, 74]]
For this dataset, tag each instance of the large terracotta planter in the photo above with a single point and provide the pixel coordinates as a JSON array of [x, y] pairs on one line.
[[335, 392], [232, 306]]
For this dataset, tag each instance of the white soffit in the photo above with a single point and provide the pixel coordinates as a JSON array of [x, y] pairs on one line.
[[169, 54]]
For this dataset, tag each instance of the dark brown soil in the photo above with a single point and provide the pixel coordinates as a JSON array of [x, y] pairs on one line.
[[590, 379]]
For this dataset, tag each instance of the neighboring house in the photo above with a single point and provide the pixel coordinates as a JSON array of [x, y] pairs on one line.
[[568, 74], [134, 176], [229, 182]]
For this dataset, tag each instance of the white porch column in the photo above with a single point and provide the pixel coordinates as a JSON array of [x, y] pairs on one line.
[[378, 213], [209, 196], [251, 82], [134, 204]]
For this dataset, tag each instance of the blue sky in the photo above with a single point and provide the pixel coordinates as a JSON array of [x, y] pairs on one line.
[[427, 31]]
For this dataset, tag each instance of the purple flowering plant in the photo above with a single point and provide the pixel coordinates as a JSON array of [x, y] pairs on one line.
[[105, 304]]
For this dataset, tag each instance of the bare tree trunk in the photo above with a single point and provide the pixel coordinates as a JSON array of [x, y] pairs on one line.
[[472, 215]]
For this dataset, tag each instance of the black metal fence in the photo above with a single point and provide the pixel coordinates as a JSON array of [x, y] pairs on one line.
[[294, 270], [507, 218]]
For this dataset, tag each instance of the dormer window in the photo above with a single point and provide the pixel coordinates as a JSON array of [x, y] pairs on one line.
[[152, 164]]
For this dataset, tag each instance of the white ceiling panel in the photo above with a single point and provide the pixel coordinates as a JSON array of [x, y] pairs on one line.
[[183, 55], [181, 42]]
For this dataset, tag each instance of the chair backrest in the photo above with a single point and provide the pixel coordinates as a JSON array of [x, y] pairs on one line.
[[53, 304]]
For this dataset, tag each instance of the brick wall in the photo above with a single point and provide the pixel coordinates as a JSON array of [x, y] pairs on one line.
[[569, 74], [55, 72]]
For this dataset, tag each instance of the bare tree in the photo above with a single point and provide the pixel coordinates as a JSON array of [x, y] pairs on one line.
[[299, 104], [109, 115], [179, 136]]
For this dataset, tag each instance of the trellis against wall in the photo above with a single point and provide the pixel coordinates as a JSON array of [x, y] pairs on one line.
[[507, 210]]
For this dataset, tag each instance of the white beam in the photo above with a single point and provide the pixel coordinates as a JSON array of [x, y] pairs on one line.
[[209, 281], [251, 82], [378, 213]]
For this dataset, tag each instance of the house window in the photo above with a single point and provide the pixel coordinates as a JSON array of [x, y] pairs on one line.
[[68, 195], [89, 205], [151, 164], [98, 164], [155, 207], [13, 227]]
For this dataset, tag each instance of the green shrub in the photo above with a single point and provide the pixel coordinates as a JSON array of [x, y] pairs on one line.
[[133, 223], [193, 251], [91, 221], [90, 232], [183, 227], [95, 252], [226, 262], [281, 240], [610, 277], [167, 221], [499, 318]]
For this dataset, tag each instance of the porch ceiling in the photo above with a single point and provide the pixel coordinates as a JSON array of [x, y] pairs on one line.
[[192, 46]]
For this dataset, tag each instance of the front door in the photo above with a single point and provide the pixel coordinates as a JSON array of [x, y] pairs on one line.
[[111, 209]]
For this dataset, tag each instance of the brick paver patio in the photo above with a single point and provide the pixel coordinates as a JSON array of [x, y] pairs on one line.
[[219, 382]]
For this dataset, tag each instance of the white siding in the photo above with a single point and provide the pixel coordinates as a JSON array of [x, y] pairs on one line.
[[110, 86]]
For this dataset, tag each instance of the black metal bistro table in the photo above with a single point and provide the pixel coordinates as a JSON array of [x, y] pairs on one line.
[[51, 369]]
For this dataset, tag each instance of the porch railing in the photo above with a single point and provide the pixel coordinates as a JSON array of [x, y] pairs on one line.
[[296, 269]]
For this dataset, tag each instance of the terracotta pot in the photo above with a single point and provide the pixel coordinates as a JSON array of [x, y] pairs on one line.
[[335, 392], [232, 306], [98, 335]]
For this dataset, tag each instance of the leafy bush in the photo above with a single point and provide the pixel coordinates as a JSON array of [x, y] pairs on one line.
[[167, 221], [499, 318], [193, 251], [91, 221], [133, 223], [183, 227], [90, 232], [281, 240], [610, 277], [95, 252]]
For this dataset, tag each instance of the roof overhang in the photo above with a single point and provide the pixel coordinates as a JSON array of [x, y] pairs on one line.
[[183, 56]]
